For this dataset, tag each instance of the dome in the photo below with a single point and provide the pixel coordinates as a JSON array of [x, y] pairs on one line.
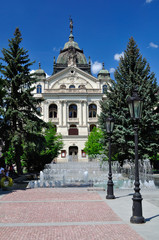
[[103, 71], [71, 43], [71, 55], [40, 71], [65, 55]]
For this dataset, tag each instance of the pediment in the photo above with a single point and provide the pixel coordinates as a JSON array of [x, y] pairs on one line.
[[72, 76]]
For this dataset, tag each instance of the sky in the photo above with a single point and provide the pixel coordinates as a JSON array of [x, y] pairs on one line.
[[101, 28]]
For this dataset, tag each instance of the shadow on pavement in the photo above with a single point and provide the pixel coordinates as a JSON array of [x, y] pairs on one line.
[[149, 219], [130, 194]]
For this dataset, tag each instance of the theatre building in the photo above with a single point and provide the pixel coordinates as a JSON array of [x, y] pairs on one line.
[[71, 98]]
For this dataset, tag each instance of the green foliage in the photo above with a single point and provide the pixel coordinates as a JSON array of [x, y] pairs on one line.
[[133, 70], [53, 143], [20, 119], [43, 151], [9, 156], [94, 144]]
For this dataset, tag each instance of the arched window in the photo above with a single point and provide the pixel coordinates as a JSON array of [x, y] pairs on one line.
[[81, 86], [39, 88], [53, 111], [73, 126], [92, 111], [72, 86], [63, 86], [73, 111], [104, 88], [92, 126]]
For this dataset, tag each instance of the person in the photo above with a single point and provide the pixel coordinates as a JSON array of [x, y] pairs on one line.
[[2, 172]]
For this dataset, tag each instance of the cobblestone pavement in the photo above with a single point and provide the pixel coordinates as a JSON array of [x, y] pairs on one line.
[[60, 214]]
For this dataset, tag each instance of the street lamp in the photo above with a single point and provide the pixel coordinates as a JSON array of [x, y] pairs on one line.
[[109, 128], [135, 107]]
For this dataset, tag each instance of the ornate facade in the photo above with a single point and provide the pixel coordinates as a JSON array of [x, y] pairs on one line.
[[71, 98]]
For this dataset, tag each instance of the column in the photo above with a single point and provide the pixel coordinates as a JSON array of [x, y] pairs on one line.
[[64, 113], [80, 113], [60, 113], [85, 114], [46, 111]]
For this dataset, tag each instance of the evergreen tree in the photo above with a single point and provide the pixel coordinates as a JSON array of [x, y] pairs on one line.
[[133, 70], [20, 121]]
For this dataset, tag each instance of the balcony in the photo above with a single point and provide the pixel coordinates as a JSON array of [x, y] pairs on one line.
[[92, 120], [73, 131], [73, 120], [54, 120]]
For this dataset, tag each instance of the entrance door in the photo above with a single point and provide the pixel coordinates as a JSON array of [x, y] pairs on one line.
[[73, 153]]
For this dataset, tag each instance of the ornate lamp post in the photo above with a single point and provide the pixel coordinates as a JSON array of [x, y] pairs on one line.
[[110, 184], [135, 107]]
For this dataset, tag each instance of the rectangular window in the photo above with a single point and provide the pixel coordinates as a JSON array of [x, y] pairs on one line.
[[83, 153], [63, 153]]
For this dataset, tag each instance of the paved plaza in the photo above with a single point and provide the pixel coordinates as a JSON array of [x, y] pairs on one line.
[[75, 214]]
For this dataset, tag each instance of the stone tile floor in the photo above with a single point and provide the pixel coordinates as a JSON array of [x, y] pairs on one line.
[[60, 214]]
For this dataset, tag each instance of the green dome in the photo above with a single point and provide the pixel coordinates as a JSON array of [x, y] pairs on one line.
[[40, 71], [103, 71], [64, 56], [71, 48], [71, 55], [71, 43]]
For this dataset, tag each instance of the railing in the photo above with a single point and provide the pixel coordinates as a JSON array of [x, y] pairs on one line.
[[74, 90], [73, 120], [55, 120]]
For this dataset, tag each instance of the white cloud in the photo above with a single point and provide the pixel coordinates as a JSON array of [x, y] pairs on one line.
[[32, 71], [153, 45], [47, 75], [117, 56], [96, 67], [112, 70], [149, 1]]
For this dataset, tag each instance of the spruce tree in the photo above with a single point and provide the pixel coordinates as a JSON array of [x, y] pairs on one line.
[[133, 70], [20, 121]]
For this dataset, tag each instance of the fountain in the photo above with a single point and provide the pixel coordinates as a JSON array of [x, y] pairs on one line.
[[94, 173]]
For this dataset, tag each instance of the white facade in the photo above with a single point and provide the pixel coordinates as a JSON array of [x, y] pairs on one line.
[[72, 103]]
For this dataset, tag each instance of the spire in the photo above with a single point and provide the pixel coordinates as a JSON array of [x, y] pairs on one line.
[[89, 61], [71, 37], [71, 25], [39, 65]]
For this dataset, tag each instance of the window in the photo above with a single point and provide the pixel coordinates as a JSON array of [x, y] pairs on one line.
[[72, 86], [73, 111], [39, 88], [92, 111], [63, 86], [104, 88], [63, 153], [81, 86], [92, 126], [53, 111], [73, 130], [83, 153]]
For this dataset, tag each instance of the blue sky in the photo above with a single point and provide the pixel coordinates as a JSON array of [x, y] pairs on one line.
[[102, 29]]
